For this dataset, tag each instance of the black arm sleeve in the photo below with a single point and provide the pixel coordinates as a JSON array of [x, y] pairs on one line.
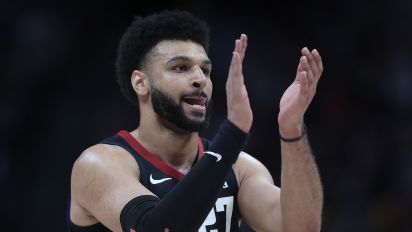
[[185, 207]]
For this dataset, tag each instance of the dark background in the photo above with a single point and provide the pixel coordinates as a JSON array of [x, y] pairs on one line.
[[59, 96]]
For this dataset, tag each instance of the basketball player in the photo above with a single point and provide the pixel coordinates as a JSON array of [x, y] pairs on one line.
[[163, 176]]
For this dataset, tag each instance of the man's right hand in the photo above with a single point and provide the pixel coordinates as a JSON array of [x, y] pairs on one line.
[[238, 106]]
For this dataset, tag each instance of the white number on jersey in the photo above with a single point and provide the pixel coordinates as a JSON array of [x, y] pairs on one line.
[[220, 207]]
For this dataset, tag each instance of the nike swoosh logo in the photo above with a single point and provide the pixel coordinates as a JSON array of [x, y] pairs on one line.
[[218, 156], [154, 181]]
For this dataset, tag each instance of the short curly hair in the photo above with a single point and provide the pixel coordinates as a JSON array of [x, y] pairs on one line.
[[145, 33]]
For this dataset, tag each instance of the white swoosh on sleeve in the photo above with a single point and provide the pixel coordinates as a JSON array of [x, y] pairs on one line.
[[218, 156]]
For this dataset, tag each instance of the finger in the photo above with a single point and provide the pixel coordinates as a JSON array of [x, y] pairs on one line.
[[318, 59], [238, 67], [311, 60], [238, 47], [243, 40], [300, 67], [312, 80], [304, 86], [306, 67], [235, 80], [235, 69]]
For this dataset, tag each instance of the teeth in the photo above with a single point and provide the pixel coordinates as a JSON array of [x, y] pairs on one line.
[[198, 106]]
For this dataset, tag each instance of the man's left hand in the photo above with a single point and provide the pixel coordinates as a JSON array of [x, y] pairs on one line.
[[299, 94]]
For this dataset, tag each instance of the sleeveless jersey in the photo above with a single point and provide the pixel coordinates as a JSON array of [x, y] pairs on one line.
[[160, 178]]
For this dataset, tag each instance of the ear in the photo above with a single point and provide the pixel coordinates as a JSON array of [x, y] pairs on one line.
[[140, 83]]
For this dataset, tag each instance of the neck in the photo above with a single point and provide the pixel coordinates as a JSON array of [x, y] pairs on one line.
[[176, 147]]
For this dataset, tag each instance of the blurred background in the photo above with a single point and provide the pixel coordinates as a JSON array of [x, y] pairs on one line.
[[59, 96]]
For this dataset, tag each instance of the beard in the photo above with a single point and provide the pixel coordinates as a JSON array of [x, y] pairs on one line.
[[168, 109]]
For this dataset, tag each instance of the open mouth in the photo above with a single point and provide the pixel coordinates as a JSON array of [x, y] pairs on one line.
[[196, 102]]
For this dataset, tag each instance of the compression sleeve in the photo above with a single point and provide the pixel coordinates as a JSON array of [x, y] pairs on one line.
[[186, 206]]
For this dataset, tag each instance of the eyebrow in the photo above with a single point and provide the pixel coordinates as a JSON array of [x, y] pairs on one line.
[[187, 59]]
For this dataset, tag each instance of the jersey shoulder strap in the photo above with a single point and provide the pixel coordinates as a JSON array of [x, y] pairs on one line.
[[117, 140]]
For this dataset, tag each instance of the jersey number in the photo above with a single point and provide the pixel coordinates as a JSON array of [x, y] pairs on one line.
[[220, 207]]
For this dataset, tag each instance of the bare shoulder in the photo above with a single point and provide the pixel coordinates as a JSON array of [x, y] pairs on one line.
[[104, 155], [245, 160], [104, 179], [96, 166], [247, 166]]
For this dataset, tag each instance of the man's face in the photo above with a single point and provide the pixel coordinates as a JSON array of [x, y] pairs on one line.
[[180, 84]]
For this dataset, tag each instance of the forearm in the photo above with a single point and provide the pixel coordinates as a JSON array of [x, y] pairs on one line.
[[301, 194], [301, 189]]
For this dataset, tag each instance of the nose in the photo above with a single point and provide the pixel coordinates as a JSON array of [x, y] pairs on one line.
[[199, 80]]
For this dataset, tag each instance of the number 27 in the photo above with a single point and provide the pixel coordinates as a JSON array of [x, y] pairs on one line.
[[220, 206]]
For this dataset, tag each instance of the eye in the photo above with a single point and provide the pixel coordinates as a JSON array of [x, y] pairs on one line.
[[180, 68], [206, 71]]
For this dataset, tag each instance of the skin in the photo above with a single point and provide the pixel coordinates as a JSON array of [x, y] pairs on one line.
[[106, 177]]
